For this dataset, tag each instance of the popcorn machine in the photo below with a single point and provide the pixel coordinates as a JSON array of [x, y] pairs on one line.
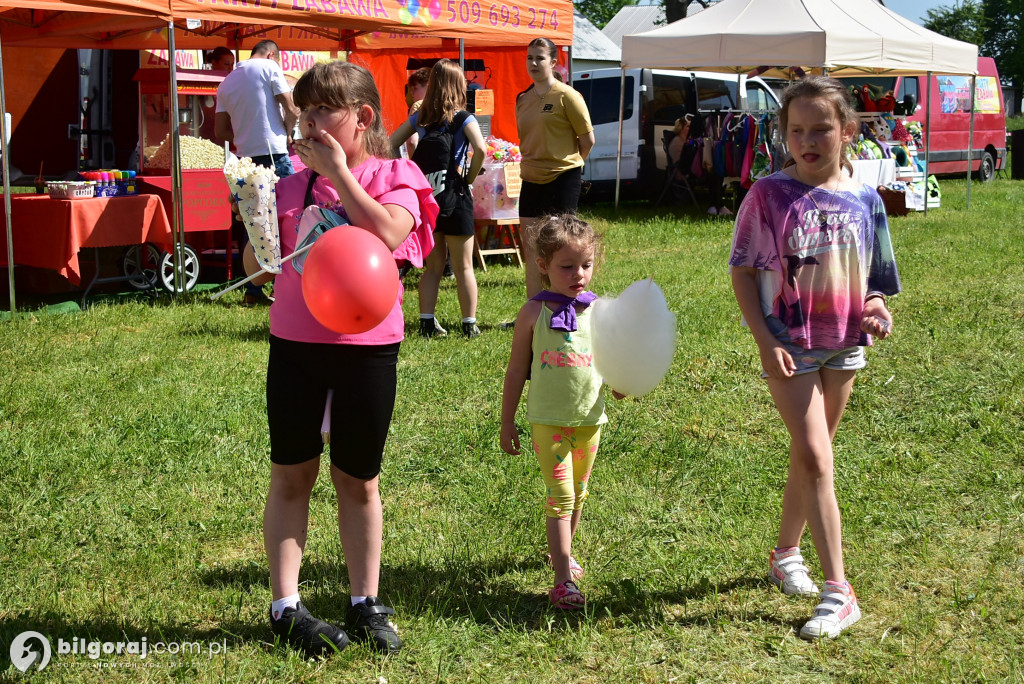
[[206, 210]]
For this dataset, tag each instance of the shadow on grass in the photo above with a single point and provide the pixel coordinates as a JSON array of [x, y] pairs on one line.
[[488, 593], [113, 629]]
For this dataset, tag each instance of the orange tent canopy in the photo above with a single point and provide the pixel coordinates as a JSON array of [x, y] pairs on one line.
[[306, 25], [381, 34]]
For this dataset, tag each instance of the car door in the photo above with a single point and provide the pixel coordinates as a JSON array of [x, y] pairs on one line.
[[601, 90]]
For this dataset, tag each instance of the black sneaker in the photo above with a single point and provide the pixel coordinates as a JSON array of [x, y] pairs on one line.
[[368, 622], [448, 272], [256, 298], [306, 633], [470, 330], [429, 327]]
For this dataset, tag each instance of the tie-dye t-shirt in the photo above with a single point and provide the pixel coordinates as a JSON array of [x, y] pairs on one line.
[[819, 253]]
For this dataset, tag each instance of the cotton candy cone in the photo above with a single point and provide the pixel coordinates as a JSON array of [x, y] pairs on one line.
[[634, 338]]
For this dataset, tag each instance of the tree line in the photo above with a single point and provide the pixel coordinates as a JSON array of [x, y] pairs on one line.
[[995, 26]]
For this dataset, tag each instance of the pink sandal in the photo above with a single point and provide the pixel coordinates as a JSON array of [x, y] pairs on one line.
[[576, 570], [567, 596]]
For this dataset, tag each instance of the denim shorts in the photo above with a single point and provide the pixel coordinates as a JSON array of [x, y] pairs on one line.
[[813, 360]]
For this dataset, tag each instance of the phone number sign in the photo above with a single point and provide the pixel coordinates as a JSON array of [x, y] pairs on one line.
[[501, 15]]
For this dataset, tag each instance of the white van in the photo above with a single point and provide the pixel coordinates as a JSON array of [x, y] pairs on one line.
[[654, 100]]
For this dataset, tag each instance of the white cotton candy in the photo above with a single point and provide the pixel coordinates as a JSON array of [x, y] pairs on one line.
[[634, 337]]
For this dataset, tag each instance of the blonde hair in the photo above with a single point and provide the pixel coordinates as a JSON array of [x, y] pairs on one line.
[[555, 232], [344, 85], [823, 87], [445, 96]]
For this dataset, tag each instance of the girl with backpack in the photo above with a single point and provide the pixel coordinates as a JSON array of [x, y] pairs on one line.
[[446, 132]]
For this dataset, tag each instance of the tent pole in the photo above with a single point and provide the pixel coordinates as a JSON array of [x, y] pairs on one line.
[[462, 54], [927, 140], [7, 186], [618, 150], [177, 213], [970, 140]]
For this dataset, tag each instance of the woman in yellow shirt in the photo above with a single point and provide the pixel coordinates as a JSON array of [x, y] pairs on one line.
[[555, 137]]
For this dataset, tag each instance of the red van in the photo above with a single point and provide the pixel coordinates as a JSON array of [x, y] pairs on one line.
[[951, 117]]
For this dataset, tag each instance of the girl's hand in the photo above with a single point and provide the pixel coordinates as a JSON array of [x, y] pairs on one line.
[[877, 320], [777, 362], [510, 439], [325, 156]]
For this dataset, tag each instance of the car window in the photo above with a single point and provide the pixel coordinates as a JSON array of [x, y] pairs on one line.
[[602, 96], [759, 99], [672, 97], [713, 93], [908, 86]]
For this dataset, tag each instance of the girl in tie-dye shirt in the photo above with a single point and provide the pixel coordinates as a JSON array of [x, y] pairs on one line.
[[811, 266]]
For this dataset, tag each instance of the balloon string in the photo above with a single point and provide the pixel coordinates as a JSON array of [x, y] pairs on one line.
[[296, 253]]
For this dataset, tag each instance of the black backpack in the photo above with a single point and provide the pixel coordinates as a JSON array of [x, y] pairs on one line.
[[435, 155]]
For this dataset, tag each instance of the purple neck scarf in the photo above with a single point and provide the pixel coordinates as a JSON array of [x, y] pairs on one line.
[[564, 317]]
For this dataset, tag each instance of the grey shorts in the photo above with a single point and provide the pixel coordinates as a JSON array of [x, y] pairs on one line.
[[813, 360]]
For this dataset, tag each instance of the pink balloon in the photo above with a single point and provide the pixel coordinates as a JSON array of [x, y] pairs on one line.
[[350, 280]]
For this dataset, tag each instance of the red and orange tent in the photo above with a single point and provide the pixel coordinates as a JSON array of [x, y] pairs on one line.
[[432, 26]]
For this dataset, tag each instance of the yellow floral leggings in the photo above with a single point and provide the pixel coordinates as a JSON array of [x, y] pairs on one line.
[[566, 456]]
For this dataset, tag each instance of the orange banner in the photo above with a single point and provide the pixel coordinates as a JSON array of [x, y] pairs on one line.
[[508, 22], [299, 24]]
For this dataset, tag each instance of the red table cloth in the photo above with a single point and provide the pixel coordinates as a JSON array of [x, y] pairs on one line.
[[49, 233]]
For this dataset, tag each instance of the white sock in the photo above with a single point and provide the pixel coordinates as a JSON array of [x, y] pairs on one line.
[[471, 319], [278, 606], [426, 317], [356, 600]]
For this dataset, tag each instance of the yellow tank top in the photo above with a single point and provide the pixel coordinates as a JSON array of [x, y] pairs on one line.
[[564, 387]]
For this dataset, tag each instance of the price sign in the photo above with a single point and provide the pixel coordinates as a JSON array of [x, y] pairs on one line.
[[484, 102]]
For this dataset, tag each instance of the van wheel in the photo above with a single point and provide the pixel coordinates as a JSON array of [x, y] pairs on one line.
[[987, 170]]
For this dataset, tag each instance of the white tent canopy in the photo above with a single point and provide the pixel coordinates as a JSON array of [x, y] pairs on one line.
[[844, 37]]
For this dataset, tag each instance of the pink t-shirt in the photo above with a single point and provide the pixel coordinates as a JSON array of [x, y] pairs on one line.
[[389, 181]]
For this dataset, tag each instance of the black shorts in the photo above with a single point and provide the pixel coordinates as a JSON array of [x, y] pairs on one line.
[[364, 379], [560, 196], [461, 221]]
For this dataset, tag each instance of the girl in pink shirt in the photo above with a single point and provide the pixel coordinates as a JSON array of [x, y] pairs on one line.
[[346, 151]]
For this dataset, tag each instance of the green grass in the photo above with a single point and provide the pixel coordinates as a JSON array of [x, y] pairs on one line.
[[133, 443]]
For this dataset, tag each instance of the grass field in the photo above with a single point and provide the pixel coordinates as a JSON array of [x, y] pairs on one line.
[[134, 446]]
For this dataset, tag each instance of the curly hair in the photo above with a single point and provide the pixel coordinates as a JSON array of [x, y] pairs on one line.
[[554, 232]]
